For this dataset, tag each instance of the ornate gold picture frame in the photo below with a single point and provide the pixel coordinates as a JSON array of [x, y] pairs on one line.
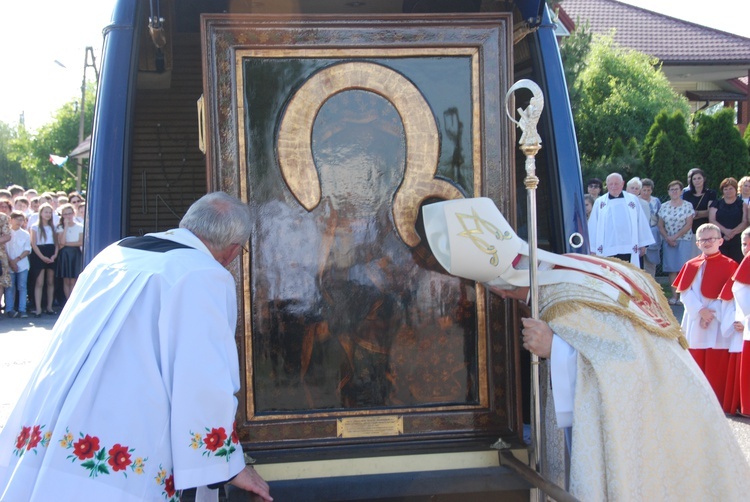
[[336, 132]]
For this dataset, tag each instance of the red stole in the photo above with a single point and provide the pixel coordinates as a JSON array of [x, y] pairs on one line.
[[718, 271], [741, 275], [743, 272], [640, 298]]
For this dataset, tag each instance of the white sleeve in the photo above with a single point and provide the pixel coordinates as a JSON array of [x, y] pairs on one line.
[[691, 298], [742, 299], [563, 368], [726, 318], [199, 322]]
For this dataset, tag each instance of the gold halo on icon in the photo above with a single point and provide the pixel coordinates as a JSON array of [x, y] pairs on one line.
[[294, 143]]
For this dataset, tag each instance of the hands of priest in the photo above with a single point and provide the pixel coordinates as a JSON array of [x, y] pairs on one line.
[[738, 326], [537, 337], [248, 479]]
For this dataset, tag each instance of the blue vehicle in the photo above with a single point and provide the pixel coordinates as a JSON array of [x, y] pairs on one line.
[[367, 371]]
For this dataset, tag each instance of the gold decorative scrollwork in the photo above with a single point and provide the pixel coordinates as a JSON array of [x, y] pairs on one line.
[[480, 227]]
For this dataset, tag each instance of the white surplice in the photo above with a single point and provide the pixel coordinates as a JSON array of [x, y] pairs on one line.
[[741, 294], [693, 301], [134, 398], [618, 226]]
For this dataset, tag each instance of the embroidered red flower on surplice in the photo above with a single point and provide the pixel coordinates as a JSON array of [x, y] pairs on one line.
[[215, 442], [86, 447], [235, 439], [169, 485], [119, 458], [35, 438], [214, 439], [23, 436]]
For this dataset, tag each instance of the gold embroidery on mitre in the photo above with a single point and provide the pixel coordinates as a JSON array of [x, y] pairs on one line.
[[481, 227]]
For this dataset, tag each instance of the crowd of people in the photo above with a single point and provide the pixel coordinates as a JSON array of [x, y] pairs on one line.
[[699, 238], [674, 217], [41, 239]]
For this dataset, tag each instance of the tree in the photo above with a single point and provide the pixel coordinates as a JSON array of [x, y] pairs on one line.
[[719, 146], [574, 50], [58, 137], [623, 158], [747, 140], [10, 169], [621, 91], [667, 151]]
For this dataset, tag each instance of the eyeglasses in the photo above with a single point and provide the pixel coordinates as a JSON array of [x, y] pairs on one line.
[[708, 240], [68, 214]]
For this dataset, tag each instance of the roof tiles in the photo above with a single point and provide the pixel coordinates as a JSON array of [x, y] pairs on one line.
[[672, 40]]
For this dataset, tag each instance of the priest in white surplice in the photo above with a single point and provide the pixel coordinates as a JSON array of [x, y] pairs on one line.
[[645, 423], [134, 398], [617, 225]]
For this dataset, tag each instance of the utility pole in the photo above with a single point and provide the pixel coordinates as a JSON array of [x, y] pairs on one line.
[[86, 64]]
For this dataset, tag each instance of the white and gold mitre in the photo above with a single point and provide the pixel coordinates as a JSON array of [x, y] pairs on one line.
[[471, 239]]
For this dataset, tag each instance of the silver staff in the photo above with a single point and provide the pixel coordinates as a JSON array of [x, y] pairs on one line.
[[530, 143]]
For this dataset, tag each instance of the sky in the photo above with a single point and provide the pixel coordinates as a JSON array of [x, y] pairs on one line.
[[36, 33]]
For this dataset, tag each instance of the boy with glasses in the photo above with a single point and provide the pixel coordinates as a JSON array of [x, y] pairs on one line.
[[700, 283]]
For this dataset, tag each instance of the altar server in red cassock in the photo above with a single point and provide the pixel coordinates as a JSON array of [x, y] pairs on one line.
[[741, 292], [700, 283], [732, 327]]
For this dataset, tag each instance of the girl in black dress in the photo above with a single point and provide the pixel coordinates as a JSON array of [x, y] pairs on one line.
[[43, 255], [69, 241]]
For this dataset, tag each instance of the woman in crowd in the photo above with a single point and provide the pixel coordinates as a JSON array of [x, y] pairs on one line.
[[43, 255], [675, 226], [588, 203], [745, 189], [700, 197], [728, 213], [81, 212], [69, 241], [653, 252], [5, 209]]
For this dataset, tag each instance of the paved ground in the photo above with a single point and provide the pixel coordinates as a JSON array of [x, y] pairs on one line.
[[22, 342]]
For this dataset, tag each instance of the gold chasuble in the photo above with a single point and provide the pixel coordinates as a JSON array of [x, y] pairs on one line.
[[647, 425]]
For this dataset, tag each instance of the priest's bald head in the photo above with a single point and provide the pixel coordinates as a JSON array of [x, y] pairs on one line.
[[615, 184]]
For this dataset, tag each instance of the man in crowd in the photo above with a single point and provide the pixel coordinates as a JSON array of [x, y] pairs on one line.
[[645, 423], [617, 225], [134, 398]]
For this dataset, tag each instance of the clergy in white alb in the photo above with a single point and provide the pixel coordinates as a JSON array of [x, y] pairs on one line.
[[617, 225], [645, 423], [134, 398]]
